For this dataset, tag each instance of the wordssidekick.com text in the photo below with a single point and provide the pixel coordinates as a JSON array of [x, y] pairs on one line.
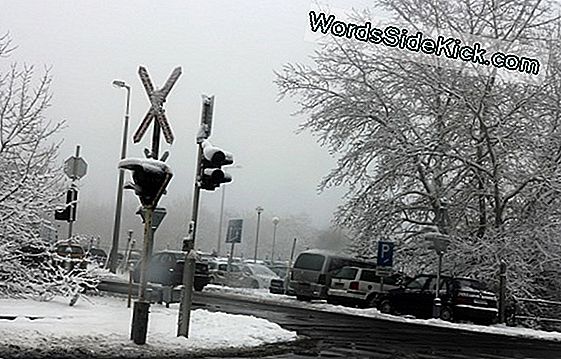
[[395, 37]]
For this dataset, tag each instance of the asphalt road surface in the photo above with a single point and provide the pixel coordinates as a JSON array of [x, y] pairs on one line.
[[339, 335]]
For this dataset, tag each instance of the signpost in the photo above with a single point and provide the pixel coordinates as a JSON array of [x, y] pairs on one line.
[[75, 168], [150, 213], [234, 235], [384, 261]]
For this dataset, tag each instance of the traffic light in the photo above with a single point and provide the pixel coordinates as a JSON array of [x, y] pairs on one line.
[[213, 158], [150, 177], [69, 212]]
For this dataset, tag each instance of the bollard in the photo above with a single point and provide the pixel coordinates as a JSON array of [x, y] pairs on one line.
[[436, 308], [140, 321], [502, 292]]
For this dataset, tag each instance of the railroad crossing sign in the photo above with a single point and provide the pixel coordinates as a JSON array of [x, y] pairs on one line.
[[157, 99], [234, 234], [75, 167]]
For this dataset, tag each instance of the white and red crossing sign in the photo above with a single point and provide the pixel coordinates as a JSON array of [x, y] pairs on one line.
[[157, 99]]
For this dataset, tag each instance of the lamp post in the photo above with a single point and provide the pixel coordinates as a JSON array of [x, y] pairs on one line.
[[222, 214], [119, 205], [275, 223], [439, 243], [259, 210]]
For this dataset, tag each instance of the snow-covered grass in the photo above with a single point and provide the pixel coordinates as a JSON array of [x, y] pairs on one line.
[[263, 296], [101, 326]]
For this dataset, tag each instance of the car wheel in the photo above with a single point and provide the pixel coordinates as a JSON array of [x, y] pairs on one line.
[[371, 302], [386, 307], [446, 314]]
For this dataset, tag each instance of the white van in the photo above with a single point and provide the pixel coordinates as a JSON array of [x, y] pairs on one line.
[[310, 275]]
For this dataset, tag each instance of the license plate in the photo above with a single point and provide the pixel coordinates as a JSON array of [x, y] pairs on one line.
[[338, 285], [480, 301]]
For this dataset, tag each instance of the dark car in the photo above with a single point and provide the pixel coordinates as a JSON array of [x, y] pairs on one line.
[[97, 255], [68, 253], [166, 268], [461, 299]]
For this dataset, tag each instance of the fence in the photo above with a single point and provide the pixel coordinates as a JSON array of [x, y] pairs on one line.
[[537, 313]]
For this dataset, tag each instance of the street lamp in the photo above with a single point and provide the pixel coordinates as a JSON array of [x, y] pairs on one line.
[[222, 214], [119, 205], [275, 222], [439, 243], [259, 210]]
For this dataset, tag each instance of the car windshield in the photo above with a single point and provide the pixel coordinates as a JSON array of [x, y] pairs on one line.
[[281, 271], [69, 249], [469, 284], [310, 261], [345, 273], [261, 270]]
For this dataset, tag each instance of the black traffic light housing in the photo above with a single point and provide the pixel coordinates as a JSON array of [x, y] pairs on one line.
[[212, 176], [69, 212], [150, 177]]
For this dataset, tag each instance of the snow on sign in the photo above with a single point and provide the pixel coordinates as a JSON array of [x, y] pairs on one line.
[[157, 99], [75, 167]]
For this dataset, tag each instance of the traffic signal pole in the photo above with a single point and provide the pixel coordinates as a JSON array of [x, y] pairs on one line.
[[73, 206], [141, 308], [184, 317]]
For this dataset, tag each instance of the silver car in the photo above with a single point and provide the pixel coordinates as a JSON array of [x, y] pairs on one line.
[[242, 275]]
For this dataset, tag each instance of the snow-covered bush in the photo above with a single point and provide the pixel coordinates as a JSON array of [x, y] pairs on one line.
[[31, 183]]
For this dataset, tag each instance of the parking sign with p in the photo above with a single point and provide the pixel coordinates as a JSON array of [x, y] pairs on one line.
[[385, 254]]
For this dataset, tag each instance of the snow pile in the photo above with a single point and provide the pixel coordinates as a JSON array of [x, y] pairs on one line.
[[101, 326], [262, 296]]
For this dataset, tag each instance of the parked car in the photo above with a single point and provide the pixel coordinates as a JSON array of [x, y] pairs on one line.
[[97, 255], [166, 267], [69, 253], [280, 269], [461, 298], [243, 275], [357, 286], [311, 273]]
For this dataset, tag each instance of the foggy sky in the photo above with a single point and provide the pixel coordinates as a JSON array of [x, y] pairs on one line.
[[227, 49]]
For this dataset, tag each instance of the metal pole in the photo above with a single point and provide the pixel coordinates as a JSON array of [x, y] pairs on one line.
[[230, 257], [287, 278], [274, 238], [129, 268], [188, 245], [436, 307], [259, 210], [221, 220], [73, 205], [119, 205], [502, 292], [141, 306]]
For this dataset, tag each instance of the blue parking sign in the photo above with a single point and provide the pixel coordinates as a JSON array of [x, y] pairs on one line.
[[385, 254]]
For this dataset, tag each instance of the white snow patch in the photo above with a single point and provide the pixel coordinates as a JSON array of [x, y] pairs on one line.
[[263, 296], [104, 323]]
